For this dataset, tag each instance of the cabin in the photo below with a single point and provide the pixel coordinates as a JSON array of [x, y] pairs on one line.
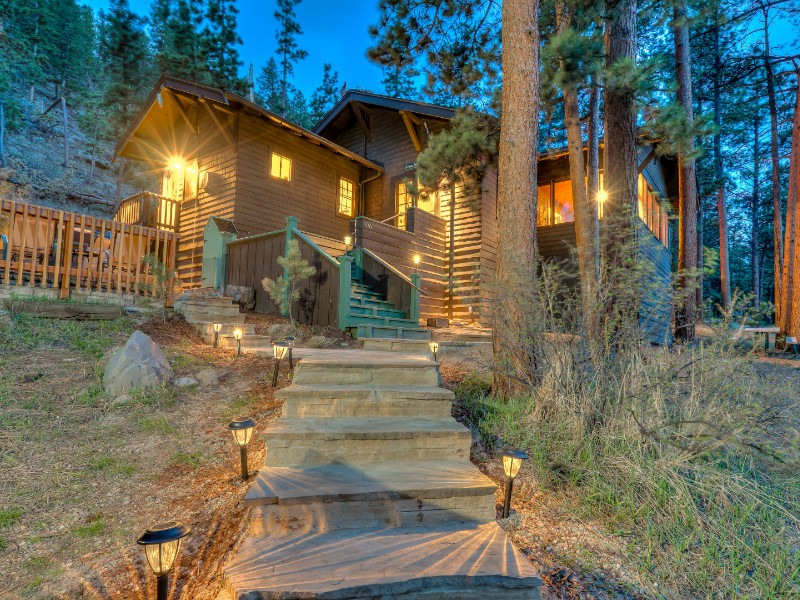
[[344, 192]]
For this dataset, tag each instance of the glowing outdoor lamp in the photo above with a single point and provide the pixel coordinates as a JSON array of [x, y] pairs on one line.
[[217, 329], [242, 430], [237, 335], [162, 544], [280, 350], [434, 346], [512, 461], [348, 240], [602, 196], [416, 260], [290, 342]]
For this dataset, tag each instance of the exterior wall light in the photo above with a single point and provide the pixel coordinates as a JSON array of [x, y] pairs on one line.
[[237, 335], [162, 544], [280, 349], [348, 241], [512, 461], [434, 347], [290, 342], [242, 430], [217, 329]]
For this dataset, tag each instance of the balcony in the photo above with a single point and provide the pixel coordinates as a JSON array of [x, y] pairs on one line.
[[149, 210]]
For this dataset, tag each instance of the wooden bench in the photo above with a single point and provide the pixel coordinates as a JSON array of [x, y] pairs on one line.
[[769, 333]]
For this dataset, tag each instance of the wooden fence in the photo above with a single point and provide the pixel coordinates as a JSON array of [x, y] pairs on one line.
[[46, 248]]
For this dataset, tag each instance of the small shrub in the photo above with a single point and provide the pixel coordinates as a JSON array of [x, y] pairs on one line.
[[187, 459], [160, 425], [91, 529], [8, 516]]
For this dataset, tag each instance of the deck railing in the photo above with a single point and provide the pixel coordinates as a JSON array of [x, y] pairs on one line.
[[149, 210], [46, 248]]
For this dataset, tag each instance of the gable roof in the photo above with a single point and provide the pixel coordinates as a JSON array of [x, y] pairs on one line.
[[231, 102], [337, 118]]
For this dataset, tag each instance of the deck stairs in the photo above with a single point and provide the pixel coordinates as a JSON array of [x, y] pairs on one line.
[[372, 316], [368, 492]]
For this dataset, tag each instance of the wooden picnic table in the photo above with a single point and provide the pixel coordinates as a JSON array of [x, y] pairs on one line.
[[770, 332]]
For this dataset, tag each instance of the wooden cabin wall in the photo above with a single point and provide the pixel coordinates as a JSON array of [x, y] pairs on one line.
[[263, 202], [490, 243], [218, 158], [250, 260]]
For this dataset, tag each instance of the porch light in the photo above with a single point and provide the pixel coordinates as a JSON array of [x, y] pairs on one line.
[[512, 461], [434, 347], [217, 329], [280, 349], [416, 260], [242, 430], [348, 241], [162, 544], [237, 335], [290, 341]]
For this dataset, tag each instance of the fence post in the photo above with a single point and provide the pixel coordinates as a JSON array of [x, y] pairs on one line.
[[291, 226], [345, 289], [416, 279]]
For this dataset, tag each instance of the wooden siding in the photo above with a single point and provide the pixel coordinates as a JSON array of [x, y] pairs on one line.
[[263, 202], [397, 247], [319, 294], [252, 259]]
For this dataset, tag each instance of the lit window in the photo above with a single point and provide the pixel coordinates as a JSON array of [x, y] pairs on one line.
[[543, 212], [404, 200], [281, 167], [190, 177], [172, 182], [563, 211], [345, 197]]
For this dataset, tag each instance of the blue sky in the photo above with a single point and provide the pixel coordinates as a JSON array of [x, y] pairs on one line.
[[333, 31]]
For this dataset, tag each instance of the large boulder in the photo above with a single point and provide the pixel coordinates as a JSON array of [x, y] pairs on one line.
[[139, 364]]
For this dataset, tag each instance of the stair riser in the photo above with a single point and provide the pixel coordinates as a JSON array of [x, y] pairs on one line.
[[320, 517], [361, 311], [427, 376], [296, 408], [382, 321], [213, 317], [247, 342], [227, 328], [301, 452]]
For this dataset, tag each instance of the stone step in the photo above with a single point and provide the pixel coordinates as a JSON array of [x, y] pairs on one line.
[[249, 342], [356, 367], [398, 494], [213, 315], [323, 400], [397, 345], [207, 327], [324, 441], [444, 562], [392, 333]]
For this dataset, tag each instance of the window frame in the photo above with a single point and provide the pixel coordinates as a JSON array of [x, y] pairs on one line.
[[282, 158], [353, 198]]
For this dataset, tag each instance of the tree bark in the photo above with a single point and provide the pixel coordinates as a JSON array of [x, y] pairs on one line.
[[64, 116], [620, 178], [452, 257], [776, 178], [593, 156], [3, 162], [585, 210], [120, 179], [719, 177], [754, 207], [790, 325], [686, 312], [515, 367]]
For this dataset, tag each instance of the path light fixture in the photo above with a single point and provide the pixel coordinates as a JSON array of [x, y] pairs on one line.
[[237, 335], [417, 258], [348, 241], [290, 341], [280, 350], [512, 461], [434, 347], [242, 430], [162, 544], [217, 329]]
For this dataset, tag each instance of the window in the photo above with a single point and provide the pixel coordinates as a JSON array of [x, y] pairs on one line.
[[345, 197], [543, 213], [563, 211], [281, 167], [403, 200], [190, 178], [651, 212]]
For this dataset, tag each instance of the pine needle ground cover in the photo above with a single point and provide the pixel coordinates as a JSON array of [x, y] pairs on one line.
[[692, 465]]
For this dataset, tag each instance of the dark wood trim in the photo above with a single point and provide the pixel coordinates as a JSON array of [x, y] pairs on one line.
[[361, 113], [411, 121], [211, 111]]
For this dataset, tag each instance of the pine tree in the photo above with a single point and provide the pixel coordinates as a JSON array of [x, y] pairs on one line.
[[218, 45], [269, 91], [285, 290], [325, 96], [400, 82], [180, 42], [288, 51]]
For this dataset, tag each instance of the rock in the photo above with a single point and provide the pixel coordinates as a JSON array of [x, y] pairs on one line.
[[5, 320], [279, 331], [139, 364], [320, 341], [121, 400], [207, 377], [185, 382]]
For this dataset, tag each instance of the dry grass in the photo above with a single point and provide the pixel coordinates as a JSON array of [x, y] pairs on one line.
[[82, 478]]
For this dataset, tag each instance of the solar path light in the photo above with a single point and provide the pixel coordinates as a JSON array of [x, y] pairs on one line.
[[162, 544], [434, 347], [512, 461], [237, 335], [217, 329], [280, 349], [242, 430], [290, 341]]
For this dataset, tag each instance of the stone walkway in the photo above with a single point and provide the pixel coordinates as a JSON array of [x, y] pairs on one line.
[[368, 492]]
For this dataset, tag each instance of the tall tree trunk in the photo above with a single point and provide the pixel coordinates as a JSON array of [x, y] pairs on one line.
[[754, 206], [790, 325], [451, 266], [719, 177], [686, 312], [120, 179], [514, 358], [620, 176], [3, 162], [64, 116], [593, 155], [777, 225], [585, 211]]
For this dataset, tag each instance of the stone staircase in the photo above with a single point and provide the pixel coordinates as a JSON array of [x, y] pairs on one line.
[[368, 492]]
